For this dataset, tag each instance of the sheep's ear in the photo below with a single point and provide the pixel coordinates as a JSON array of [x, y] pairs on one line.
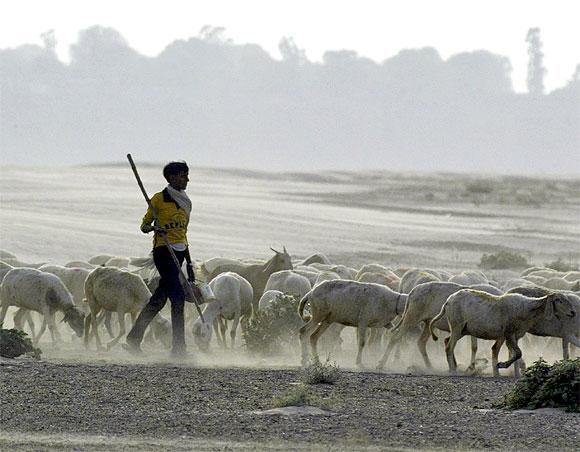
[[551, 305], [277, 252], [285, 252]]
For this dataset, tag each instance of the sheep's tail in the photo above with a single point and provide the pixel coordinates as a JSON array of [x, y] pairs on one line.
[[301, 306], [435, 319], [401, 317]]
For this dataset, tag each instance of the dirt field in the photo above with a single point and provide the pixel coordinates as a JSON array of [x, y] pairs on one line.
[[60, 405], [87, 400]]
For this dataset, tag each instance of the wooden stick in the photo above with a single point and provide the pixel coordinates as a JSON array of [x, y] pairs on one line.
[[164, 237]]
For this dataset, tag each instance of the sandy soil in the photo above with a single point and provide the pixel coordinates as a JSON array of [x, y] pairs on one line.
[[86, 400], [66, 405]]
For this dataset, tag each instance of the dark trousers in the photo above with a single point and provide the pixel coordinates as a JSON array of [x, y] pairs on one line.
[[169, 287]]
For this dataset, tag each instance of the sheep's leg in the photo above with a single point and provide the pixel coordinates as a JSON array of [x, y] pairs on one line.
[[393, 340], [565, 349], [322, 327], [28, 316], [494, 356], [515, 353], [471, 366], [52, 328], [219, 330], [108, 315], [375, 337], [304, 331], [422, 345], [88, 329], [36, 339], [96, 331], [361, 339], [450, 343], [3, 312], [17, 319], [122, 331], [234, 328]]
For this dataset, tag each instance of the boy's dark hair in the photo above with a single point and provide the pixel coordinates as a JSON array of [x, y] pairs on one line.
[[174, 168]]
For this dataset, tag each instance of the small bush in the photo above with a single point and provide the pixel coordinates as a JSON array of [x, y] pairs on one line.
[[14, 343], [480, 186], [547, 386], [275, 329], [299, 396], [560, 265], [503, 259], [320, 373]]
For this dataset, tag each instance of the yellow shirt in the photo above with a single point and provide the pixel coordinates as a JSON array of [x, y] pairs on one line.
[[171, 217]]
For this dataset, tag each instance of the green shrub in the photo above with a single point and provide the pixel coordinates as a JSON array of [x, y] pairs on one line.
[[274, 329], [503, 259], [547, 386], [320, 373], [14, 343]]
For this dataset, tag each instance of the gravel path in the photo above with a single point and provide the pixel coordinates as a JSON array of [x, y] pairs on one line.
[[164, 406]]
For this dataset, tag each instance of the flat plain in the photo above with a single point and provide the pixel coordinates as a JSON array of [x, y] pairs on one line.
[[90, 400]]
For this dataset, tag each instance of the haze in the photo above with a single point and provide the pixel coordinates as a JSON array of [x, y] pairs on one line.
[[218, 103]]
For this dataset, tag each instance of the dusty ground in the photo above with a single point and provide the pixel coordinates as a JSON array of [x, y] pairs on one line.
[[103, 406], [87, 400]]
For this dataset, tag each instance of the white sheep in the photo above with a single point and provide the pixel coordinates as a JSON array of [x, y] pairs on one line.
[[79, 264], [315, 258], [288, 282], [469, 278], [233, 301], [391, 281], [267, 298], [559, 283], [572, 276], [416, 276], [73, 278], [22, 264], [374, 268], [547, 273], [118, 261], [45, 293], [325, 275], [4, 268], [256, 274], [310, 273], [349, 303], [499, 318], [100, 259], [423, 304], [563, 327], [115, 290], [6, 255]]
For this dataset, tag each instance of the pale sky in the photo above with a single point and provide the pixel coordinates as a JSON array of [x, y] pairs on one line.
[[375, 29]]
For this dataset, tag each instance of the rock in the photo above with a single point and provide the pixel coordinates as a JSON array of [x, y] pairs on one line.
[[295, 411]]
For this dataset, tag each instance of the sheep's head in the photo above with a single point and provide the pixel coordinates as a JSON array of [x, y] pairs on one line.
[[202, 334], [558, 304], [75, 319], [280, 261]]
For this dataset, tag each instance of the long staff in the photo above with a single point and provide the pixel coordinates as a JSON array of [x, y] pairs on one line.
[[164, 237]]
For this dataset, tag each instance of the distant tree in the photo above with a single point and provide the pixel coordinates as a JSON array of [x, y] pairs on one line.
[[49, 40], [290, 52], [536, 70]]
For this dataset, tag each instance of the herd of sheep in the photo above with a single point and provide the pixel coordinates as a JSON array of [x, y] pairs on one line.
[[385, 305]]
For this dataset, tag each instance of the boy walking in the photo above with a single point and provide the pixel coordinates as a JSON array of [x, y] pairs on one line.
[[173, 208]]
